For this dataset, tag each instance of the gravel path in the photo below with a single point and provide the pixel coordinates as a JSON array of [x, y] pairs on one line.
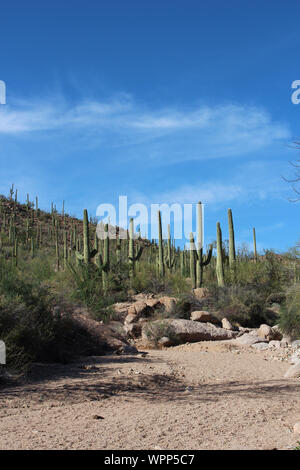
[[196, 396]]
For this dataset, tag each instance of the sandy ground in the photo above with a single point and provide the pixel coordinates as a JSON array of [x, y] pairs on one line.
[[197, 396]]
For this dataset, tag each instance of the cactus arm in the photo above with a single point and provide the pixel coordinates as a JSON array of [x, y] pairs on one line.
[[208, 256]]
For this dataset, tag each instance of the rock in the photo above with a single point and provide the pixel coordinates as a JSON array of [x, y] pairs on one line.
[[296, 344], [293, 371], [165, 342], [153, 303], [140, 308], [120, 310], [203, 317], [168, 303], [226, 324], [127, 349], [274, 344], [188, 331], [268, 333], [296, 428], [249, 339], [260, 346], [133, 330], [253, 332], [201, 292], [131, 318]]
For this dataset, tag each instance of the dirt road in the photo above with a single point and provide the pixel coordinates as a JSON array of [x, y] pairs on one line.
[[198, 396]]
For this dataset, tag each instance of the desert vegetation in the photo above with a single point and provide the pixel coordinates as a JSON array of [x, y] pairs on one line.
[[50, 261]]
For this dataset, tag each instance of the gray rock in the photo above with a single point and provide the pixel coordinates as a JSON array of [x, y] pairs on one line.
[[296, 343], [204, 317], [249, 339], [293, 371], [260, 346], [190, 331]]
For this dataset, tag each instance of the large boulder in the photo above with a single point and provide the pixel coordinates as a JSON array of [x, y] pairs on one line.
[[168, 303], [269, 333], [204, 317], [186, 331], [227, 325]]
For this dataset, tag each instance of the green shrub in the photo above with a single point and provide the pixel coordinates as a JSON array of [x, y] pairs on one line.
[[290, 313]]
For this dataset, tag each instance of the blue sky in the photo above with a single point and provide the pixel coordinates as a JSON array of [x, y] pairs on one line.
[[173, 101]]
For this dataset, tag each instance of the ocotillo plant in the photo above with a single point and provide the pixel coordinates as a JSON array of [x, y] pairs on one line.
[[219, 265], [161, 267], [201, 261], [132, 257]]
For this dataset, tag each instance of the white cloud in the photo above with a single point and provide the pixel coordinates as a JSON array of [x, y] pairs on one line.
[[171, 134]]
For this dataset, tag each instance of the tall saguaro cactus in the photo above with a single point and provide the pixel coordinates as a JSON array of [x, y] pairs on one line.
[[232, 253], [254, 245], [161, 267], [201, 261], [171, 257], [86, 237], [193, 255], [231, 240], [87, 254], [132, 257], [219, 265]]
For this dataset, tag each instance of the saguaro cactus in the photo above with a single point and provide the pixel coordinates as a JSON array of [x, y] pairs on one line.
[[104, 264], [161, 267], [87, 254], [171, 257], [219, 265], [193, 255], [132, 257], [231, 241], [201, 261], [254, 245]]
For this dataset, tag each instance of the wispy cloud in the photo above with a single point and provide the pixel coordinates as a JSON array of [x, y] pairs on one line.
[[178, 134]]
